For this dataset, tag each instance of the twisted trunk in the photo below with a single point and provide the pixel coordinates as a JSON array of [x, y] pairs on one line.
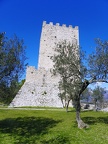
[[84, 85], [80, 123], [67, 105]]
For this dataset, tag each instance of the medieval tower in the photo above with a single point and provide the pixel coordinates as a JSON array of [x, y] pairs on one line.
[[40, 87]]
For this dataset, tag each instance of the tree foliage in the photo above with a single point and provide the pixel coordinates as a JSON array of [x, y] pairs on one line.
[[68, 69], [12, 65], [98, 61], [98, 96]]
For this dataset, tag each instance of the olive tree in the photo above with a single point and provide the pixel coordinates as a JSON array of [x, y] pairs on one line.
[[75, 74]]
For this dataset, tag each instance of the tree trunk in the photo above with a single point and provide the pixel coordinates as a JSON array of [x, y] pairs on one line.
[[62, 103], [95, 105], [67, 105], [81, 124]]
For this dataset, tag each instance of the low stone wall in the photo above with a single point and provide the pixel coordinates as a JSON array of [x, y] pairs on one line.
[[43, 92]]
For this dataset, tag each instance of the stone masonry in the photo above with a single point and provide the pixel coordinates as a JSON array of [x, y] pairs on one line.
[[41, 87]]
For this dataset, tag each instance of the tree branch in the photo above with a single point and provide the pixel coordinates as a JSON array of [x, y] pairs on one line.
[[98, 80]]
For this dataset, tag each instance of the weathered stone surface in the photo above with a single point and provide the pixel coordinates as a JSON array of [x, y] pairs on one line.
[[40, 87], [33, 95]]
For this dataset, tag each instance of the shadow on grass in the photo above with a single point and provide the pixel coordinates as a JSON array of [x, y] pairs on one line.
[[94, 120], [26, 129]]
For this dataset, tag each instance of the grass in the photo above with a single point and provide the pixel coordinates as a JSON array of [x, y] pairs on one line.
[[38, 107], [51, 127]]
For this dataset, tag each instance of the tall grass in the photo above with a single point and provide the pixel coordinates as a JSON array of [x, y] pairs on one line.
[[51, 127]]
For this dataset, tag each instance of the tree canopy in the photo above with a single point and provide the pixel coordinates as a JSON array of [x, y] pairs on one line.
[[12, 64]]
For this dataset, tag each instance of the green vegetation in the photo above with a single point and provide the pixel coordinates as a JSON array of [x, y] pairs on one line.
[[12, 66], [51, 127]]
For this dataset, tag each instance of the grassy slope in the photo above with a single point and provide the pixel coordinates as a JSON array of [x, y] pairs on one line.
[[51, 127]]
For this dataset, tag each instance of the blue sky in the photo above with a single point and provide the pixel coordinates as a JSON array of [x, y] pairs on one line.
[[25, 17]]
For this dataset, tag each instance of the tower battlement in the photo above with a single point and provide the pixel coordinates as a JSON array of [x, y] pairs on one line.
[[58, 24]]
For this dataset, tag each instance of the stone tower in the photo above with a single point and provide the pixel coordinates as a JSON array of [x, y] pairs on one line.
[[50, 35], [40, 87]]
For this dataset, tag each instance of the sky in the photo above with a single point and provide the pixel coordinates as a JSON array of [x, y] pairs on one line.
[[25, 17]]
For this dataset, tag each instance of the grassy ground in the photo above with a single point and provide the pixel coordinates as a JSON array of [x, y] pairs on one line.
[[51, 127]]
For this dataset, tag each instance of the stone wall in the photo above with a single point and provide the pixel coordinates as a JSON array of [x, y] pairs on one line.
[[32, 95], [39, 89], [41, 76]]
